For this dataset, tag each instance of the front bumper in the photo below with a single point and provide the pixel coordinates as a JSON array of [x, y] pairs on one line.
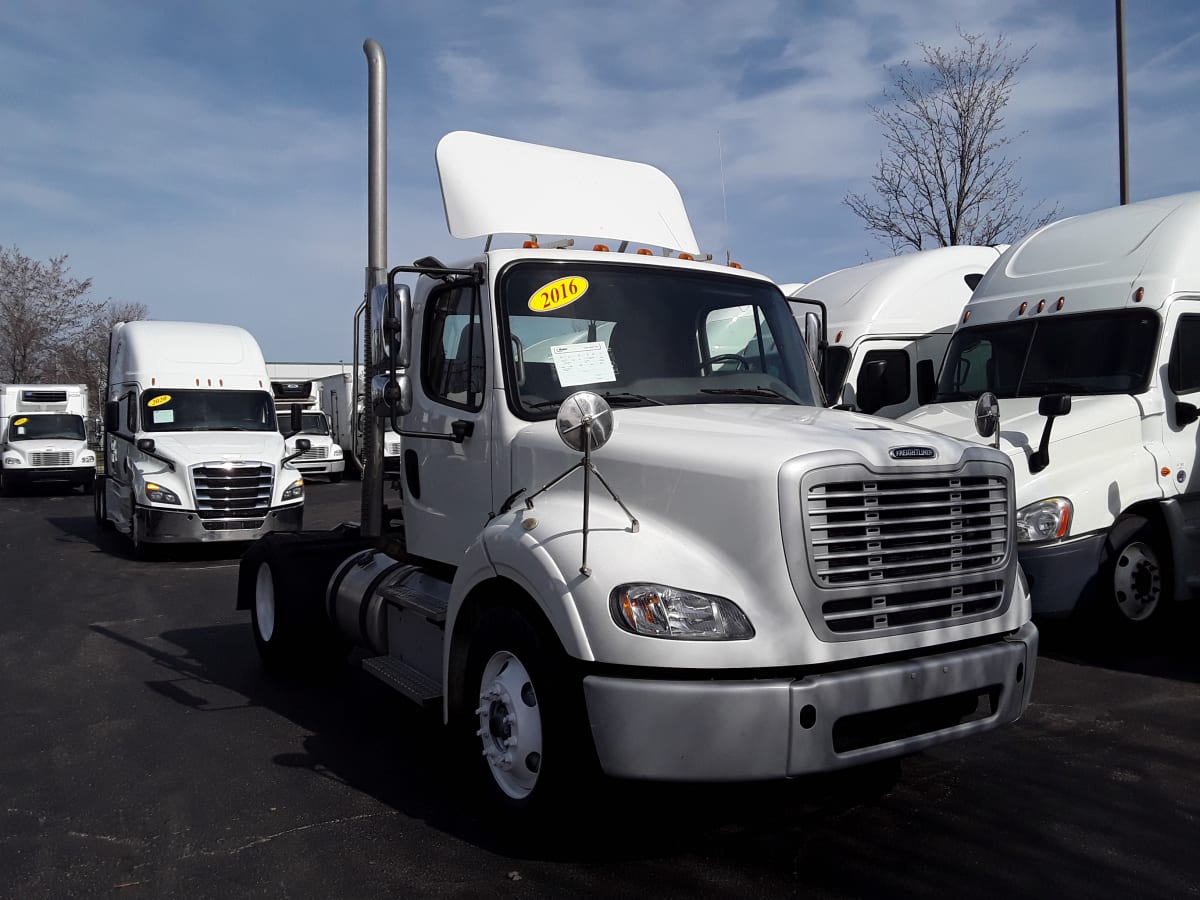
[[320, 467], [1060, 575], [166, 526], [777, 728], [59, 474]]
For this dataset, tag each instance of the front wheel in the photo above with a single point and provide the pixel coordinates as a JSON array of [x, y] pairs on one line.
[[1138, 576], [524, 720]]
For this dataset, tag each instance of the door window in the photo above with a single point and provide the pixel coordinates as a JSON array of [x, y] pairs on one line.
[[1183, 370], [896, 377], [452, 369]]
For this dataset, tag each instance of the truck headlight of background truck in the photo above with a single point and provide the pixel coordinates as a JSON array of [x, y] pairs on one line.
[[12, 460], [156, 493], [1045, 520], [295, 490], [657, 610]]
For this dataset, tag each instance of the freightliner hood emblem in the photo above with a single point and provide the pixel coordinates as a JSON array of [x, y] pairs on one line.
[[912, 453]]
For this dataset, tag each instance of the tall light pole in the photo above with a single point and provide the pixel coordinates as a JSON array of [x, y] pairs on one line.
[[1122, 115]]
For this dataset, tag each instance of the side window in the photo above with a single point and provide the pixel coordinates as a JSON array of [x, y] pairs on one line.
[[896, 380], [734, 333], [452, 367], [1183, 370], [130, 412]]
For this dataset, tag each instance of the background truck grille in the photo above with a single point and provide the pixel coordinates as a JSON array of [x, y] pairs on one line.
[[315, 453], [50, 459], [874, 532], [236, 490], [874, 553]]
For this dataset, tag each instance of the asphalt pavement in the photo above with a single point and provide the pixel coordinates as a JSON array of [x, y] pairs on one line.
[[145, 753]]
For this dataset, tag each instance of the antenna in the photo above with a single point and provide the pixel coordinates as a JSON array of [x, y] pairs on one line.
[[724, 204]]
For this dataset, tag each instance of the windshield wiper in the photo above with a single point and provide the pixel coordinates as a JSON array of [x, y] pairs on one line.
[[765, 393], [615, 398]]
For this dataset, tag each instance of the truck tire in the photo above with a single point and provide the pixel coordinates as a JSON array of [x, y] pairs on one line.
[[524, 723], [100, 504], [88, 485], [289, 641], [1137, 576]]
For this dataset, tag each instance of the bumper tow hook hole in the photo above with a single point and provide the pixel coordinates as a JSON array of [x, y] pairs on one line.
[[808, 716]]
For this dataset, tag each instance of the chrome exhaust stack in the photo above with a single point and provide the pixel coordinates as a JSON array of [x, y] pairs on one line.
[[376, 274]]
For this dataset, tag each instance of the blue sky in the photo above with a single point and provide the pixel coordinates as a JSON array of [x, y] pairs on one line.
[[208, 159]]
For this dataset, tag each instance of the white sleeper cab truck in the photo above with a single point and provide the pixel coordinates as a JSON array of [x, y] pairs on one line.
[[639, 556], [889, 323], [43, 436], [323, 456], [193, 450], [1085, 337]]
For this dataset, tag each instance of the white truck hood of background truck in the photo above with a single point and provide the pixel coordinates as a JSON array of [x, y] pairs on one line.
[[1079, 442], [706, 483], [199, 446]]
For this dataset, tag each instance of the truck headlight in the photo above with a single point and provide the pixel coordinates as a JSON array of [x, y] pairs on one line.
[[295, 490], [12, 460], [1046, 520], [87, 459], [335, 450], [656, 610], [156, 493]]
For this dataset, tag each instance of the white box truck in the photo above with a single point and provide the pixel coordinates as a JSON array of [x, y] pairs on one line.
[[631, 557], [324, 455], [336, 398], [1088, 333], [193, 450], [43, 436], [889, 323]]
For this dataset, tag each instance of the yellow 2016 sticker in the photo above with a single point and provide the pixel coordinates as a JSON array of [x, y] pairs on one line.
[[20, 421], [558, 293], [159, 400]]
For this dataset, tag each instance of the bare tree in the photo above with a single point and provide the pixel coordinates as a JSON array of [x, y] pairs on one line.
[[86, 359], [943, 178], [43, 310]]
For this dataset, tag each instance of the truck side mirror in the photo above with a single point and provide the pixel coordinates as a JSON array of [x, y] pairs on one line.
[[112, 416], [869, 388], [926, 383], [303, 444], [1186, 413], [1051, 406], [146, 445], [297, 422], [391, 318], [987, 416], [813, 340]]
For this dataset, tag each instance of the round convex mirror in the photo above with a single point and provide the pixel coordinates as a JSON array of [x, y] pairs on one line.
[[987, 414], [585, 413]]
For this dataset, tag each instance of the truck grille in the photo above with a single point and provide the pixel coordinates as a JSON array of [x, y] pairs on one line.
[[315, 453], [873, 554], [873, 532], [227, 491], [50, 459]]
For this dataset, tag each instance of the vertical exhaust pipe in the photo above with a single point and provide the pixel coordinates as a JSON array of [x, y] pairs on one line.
[[376, 274]]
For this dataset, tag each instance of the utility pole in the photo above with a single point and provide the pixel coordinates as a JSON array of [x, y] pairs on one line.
[[1122, 115]]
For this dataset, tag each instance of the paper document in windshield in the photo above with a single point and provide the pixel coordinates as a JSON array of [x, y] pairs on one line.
[[586, 363]]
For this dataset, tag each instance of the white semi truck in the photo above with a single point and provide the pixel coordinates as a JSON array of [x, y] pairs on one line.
[[640, 556], [889, 323], [193, 453], [324, 455], [43, 436], [1088, 333]]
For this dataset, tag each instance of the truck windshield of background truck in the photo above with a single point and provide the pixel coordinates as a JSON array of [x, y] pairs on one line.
[[312, 423], [45, 426], [641, 335], [1091, 353], [176, 410]]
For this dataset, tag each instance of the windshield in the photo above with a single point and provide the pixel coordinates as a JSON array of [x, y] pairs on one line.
[[1095, 353], [645, 336], [45, 426], [313, 423], [176, 410]]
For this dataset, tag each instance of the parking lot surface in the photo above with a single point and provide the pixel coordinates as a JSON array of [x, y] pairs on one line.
[[144, 752]]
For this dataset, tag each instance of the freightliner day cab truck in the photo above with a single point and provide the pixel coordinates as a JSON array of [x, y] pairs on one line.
[[890, 322], [193, 450], [1088, 332], [324, 456], [43, 437], [638, 555]]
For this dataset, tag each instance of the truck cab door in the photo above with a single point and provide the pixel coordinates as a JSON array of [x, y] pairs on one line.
[[119, 455], [1181, 396], [447, 485]]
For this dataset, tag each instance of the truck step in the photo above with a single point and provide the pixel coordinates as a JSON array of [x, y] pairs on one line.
[[399, 675], [431, 606]]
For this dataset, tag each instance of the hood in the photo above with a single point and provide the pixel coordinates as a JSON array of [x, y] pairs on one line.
[[740, 440], [1021, 425], [226, 446]]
